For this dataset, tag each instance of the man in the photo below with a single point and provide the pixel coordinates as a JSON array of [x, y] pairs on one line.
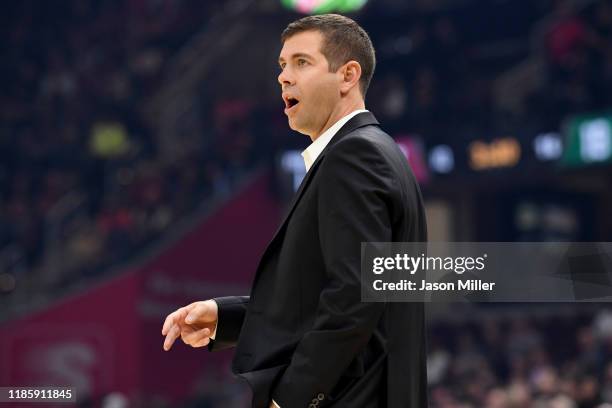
[[304, 338]]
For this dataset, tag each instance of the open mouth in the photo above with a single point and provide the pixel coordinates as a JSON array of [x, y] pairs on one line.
[[290, 102]]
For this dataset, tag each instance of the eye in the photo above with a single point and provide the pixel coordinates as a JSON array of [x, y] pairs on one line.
[[302, 62], [282, 66]]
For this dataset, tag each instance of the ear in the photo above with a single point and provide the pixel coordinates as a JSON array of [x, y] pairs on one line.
[[350, 76]]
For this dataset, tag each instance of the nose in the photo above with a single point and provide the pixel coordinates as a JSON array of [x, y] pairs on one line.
[[285, 78]]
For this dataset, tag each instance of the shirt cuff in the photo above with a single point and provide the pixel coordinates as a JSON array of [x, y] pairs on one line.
[[275, 404], [214, 333]]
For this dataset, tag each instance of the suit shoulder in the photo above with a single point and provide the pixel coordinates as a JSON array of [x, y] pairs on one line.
[[370, 145], [367, 138], [371, 141]]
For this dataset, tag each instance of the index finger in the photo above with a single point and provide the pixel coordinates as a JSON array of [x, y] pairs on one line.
[[170, 321], [171, 337]]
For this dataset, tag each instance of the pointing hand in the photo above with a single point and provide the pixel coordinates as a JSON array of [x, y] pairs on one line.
[[195, 324]]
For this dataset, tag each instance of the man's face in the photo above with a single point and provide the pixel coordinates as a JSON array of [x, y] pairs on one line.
[[309, 90]]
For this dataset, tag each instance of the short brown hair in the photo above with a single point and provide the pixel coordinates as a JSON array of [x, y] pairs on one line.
[[343, 40]]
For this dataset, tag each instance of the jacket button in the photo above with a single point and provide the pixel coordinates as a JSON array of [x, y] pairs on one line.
[[321, 396]]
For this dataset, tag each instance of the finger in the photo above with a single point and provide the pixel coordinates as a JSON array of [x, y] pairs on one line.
[[176, 317], [169, 322], [166, 326], [172, 335], [202, 343], [195, 336]]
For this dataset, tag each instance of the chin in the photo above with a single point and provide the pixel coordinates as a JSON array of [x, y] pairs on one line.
[[300, 130], [296, 127]]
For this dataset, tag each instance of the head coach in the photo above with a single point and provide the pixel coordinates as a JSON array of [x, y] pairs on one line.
[[303, 337]]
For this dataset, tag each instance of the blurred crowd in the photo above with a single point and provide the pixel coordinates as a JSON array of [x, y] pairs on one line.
[[561, 361], [578, 51], [491, 68], [82, 180]]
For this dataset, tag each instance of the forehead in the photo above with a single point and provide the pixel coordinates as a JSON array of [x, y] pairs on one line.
[[307, 42]]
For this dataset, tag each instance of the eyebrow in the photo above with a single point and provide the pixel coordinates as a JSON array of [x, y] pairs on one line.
[[297, 55]]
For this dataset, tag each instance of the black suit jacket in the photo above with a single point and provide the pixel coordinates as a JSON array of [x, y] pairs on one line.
[[303, 337]]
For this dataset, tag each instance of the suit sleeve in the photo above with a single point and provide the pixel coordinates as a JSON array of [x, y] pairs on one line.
[[232, 310], [353, 207]]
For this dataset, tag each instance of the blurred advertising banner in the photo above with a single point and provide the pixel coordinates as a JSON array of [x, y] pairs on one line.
[[108, 339], [89, 342], [589, 140]]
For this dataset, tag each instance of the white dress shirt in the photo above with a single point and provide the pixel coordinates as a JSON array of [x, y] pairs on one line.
[[310, 155], [314, 150]]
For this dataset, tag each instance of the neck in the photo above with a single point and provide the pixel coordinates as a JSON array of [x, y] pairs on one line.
[[338, 113]]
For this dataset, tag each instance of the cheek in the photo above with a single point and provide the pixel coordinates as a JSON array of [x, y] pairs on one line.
[[321, 94]]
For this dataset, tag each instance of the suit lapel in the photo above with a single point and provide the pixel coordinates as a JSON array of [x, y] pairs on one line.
[[359, 120]]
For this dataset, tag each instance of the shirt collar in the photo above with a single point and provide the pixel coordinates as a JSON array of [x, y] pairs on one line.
[[314, 150]]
